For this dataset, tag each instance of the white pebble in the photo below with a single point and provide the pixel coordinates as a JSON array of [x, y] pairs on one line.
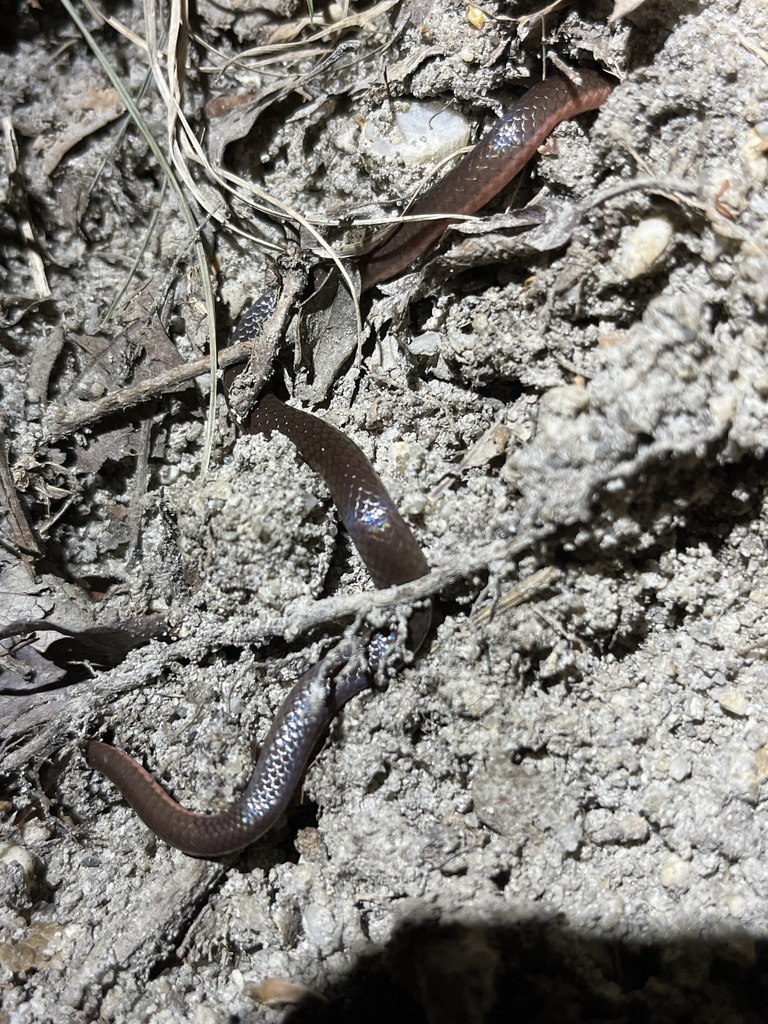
[[674, 872], [643, 247], [12, 854], [426, 132], [734, 702]]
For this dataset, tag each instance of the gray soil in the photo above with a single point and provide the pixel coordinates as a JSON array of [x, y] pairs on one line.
[[557, 811]]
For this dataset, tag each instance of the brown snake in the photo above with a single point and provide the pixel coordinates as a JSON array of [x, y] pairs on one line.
[[380, 534]]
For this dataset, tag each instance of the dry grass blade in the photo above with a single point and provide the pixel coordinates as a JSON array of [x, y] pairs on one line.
[[184, 207], [60, 421], [21, 531], [36, 266], [137, 259], [521, 592], [184, 147], [531, 19]]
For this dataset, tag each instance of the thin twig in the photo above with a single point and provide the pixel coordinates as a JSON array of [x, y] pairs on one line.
[[24, 223], [60, 421]]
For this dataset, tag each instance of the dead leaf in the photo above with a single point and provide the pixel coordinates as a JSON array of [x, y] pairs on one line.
[[95, 108]]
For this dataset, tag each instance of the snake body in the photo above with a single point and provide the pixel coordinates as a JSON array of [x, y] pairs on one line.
[[384, 540]]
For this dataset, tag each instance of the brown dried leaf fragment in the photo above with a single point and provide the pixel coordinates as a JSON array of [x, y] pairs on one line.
[[97, 108], [279, 992]]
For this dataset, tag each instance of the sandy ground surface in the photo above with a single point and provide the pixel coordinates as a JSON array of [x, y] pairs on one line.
[[558, 811]]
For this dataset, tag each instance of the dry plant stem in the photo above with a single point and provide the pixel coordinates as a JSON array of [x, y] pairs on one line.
[[31, 249], [21, 531], [59, 422], [140, 484], [519, 593], [186, 147], [246, 388], [540, 15], [183, 204], [752, 47]]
